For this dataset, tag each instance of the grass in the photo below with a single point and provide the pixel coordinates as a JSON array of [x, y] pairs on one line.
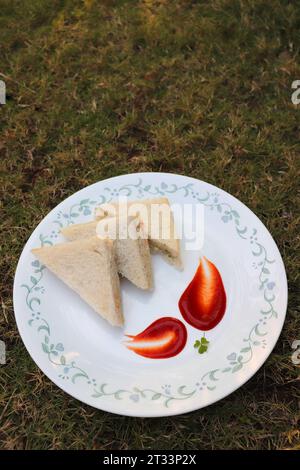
[[97, 89]]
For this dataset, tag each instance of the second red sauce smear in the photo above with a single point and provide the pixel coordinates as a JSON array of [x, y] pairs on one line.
[[203, 303], [164, 338]]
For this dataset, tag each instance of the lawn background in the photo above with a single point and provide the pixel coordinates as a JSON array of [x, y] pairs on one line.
[[98, 89]]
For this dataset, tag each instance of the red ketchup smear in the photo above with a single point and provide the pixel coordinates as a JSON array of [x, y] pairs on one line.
[[203, 303], [164, 338]]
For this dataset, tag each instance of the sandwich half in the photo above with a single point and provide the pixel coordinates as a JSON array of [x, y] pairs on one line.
[[131, 246], [88, 267], [157, 220]]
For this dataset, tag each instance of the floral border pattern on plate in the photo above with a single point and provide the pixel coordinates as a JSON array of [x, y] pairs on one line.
[[70, 371]]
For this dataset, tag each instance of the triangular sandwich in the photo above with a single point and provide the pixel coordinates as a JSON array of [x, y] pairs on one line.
[[89, 268], [158, 222], [132, 247]]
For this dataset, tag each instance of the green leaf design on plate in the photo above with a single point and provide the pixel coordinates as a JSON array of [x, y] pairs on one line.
[[45, 328], [45, 348], [156, 396], [235, 214], [79, 374], [31, 301], [236, 368], [244, 350], [119, 393]]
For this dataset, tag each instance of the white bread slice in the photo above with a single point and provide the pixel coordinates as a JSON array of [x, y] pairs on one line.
[[132, 249], [80, 231], [165, 242], [89, 268]]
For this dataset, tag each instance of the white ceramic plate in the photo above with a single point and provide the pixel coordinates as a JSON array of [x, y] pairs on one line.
[[86, 358]]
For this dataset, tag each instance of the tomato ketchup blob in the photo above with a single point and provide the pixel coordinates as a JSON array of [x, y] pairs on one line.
[[203, 303], [164, 338]]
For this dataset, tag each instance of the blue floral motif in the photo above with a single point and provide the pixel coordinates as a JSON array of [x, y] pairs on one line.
[[166, 389]]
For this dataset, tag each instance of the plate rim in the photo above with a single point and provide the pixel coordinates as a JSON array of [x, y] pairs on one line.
[[166, 411]]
